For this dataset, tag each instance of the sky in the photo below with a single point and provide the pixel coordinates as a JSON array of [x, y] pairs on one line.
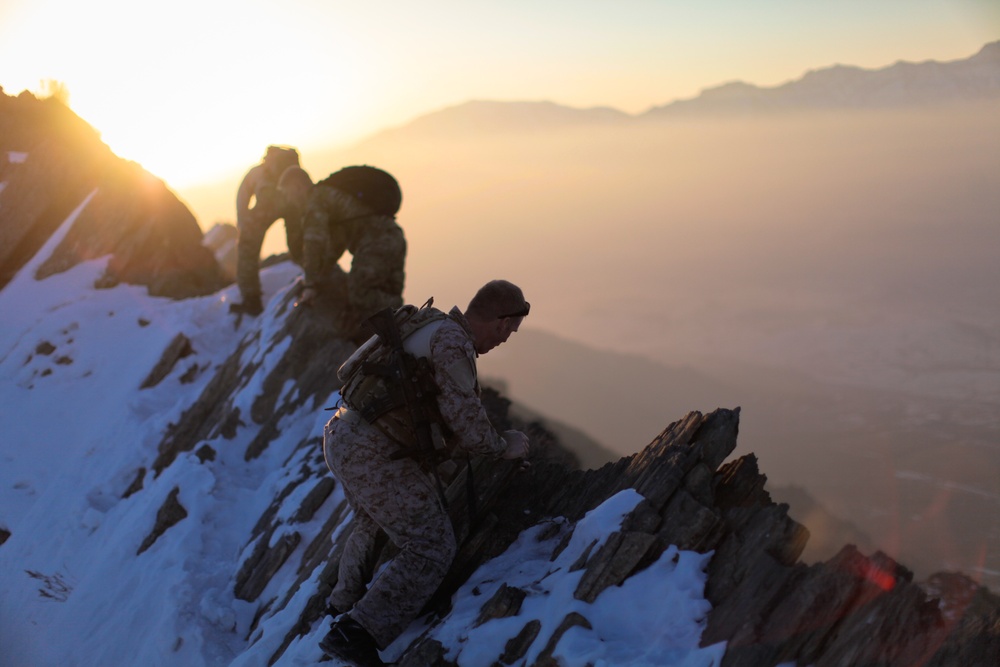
[[194, 89], [75, 431]]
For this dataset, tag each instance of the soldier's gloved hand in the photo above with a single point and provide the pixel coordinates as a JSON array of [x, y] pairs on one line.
[[517, 446]]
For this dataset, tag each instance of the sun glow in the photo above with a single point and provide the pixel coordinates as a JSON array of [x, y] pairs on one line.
[[195, 90], [190, 90]]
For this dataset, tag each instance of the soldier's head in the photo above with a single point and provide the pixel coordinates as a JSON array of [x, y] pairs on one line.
[[295, 185], [279, 158], [495, 312]]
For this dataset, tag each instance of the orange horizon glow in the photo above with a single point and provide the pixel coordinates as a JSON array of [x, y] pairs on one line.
[[195, 92]]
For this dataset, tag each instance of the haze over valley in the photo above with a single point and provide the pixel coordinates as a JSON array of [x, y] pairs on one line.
[[833, 271], [761, 246]]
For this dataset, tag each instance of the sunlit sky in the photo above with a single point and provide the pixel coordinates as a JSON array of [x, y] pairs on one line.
[[192, 89]]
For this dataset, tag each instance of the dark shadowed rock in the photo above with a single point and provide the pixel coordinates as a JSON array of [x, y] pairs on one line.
[[169, 514], [178, 348], [505, 602], [136, 484], [151, 237], [767, 605], [518, 645], [770, 607]]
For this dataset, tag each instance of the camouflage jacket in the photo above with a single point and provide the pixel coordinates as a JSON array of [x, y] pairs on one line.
[[448, 343], [453, 355], [335, 223], [261, 186]]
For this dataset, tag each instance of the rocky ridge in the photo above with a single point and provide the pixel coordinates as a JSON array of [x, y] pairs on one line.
[[768, 606], [52, 162]]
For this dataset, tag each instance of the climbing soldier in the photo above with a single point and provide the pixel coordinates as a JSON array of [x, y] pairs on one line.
[[373, 446], [353, 210], [260, 186]]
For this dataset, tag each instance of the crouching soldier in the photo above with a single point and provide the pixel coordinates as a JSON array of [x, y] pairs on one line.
[[372, 447], [353, 210], [260, 187]]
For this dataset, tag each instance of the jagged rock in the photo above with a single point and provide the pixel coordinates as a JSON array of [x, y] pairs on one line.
[[43, 189], [971, 615], [619, 556], [319, 346], [151, 237], [178, 348], [314, 500], [740, 484], [136, 484], [828, 531], [261, 566], [205, 453], [428, 652], [169, 514], [690, 524], [572, 620], [45, 348], [518, 645], [506, 602], [767, 605]]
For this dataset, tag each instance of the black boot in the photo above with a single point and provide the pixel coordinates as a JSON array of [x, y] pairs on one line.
[[350, 642]]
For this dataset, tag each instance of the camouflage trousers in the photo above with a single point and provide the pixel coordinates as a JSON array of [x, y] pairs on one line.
[[401, 499], [377, 274], [248, 247]]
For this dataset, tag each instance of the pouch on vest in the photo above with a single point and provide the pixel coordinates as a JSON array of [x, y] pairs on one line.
[[373, 395]]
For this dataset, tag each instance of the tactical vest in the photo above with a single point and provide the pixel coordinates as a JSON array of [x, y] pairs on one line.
[[373, 396]]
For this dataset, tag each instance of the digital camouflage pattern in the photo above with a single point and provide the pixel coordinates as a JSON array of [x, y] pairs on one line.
[[400, 497], [261, 185], [335, 223]]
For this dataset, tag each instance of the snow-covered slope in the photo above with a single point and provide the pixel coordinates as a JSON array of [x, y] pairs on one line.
[[82, 585]]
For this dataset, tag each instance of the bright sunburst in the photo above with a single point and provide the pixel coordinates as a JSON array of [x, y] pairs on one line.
[[189, 89]]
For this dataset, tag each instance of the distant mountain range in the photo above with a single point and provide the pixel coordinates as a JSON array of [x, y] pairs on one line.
[[847, 87], [904, 84]]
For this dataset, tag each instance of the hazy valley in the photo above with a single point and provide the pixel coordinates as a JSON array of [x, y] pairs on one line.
[[821, 254], [829, 265]]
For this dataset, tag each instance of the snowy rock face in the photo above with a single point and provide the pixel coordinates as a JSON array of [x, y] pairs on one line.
[[193, 522], [164, 501], [50, 163]]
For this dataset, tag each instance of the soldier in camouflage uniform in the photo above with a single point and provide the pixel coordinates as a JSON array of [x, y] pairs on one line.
[[338, 219], [260, 185], [391, 490]]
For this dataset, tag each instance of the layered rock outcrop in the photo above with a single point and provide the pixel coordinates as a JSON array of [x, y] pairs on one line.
[[769, 607], [50, 163]]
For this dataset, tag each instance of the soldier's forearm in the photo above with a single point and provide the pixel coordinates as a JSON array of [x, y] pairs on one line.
[[312, 263]]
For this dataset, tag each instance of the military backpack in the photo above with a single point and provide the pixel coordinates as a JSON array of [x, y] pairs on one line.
[[371, 186], [373, 395]]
